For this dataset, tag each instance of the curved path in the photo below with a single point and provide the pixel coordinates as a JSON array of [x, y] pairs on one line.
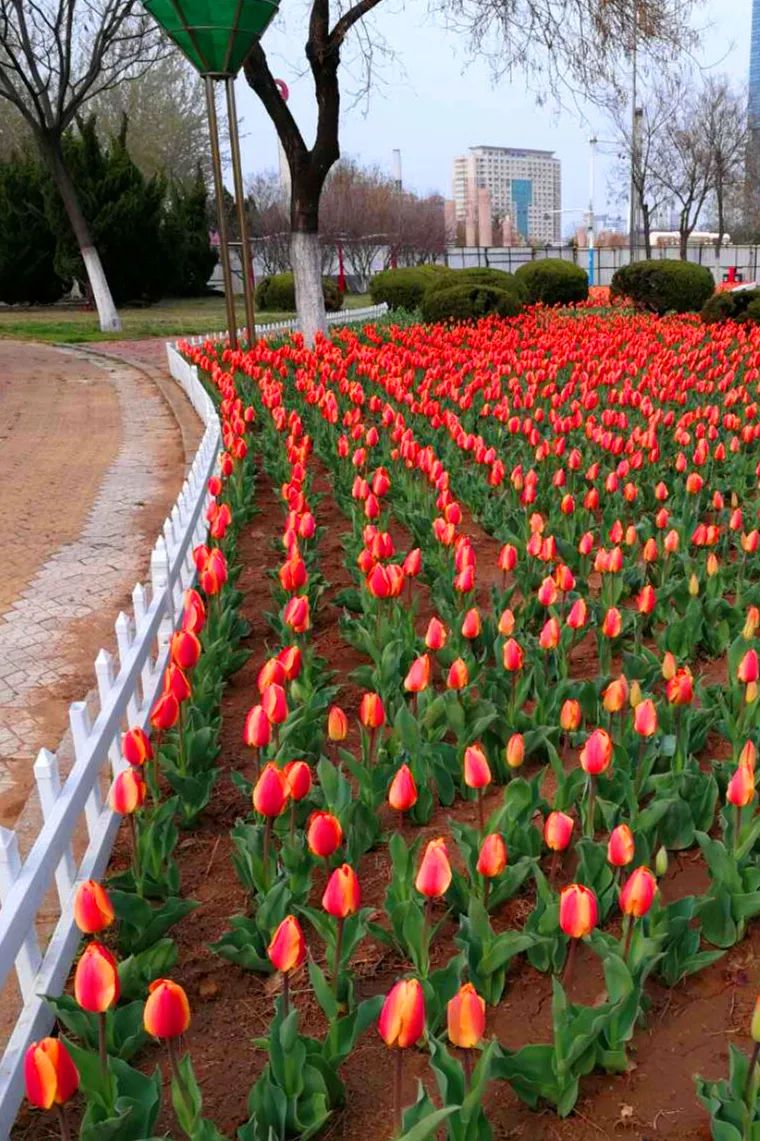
[[93, 451]]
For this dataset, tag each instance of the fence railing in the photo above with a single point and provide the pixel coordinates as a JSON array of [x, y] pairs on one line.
[[75, 816], [277, 328]]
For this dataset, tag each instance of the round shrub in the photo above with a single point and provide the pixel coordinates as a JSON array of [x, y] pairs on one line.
[[664, 286], [469, 302], [731, 306], [752, 312], [278, 293], [551, 281], [493, 278], [403, 288]]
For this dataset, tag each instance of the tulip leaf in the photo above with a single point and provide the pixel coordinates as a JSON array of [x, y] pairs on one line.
[[428, 1125]]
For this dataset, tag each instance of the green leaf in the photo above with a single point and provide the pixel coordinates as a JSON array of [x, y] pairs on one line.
[[425, 1128]]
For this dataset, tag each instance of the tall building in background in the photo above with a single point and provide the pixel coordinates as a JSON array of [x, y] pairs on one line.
[[752, 179], [524, 186]]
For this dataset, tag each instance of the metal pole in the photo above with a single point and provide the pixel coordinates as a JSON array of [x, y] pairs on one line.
[[634, 133], [591, 219], [245, 245], [224, 249]]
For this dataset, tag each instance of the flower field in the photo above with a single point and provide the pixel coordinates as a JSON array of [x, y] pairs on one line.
[[446, 824]]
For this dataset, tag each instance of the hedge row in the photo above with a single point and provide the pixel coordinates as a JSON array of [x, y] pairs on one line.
[[277, 293]]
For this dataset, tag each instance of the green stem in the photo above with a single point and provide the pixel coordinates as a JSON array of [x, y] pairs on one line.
[[467, 1070], [182, 760], [567, 978], [285, 994], [628, 925], [136, 872], [338, 952], [397, 1078], [751, 1076], [738, 827], [102, 1046], [267, 846], [591, 806]]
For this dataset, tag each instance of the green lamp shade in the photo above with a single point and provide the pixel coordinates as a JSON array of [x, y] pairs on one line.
[[215, 35]]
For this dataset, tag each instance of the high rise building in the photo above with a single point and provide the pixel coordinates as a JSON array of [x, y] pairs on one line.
[[754, 68], [525, 187]]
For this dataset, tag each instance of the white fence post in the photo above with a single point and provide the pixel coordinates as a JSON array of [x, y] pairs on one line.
[[48, 778], [28, 957]]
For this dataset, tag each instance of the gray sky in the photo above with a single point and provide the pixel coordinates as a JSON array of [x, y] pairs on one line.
[[433, 104]]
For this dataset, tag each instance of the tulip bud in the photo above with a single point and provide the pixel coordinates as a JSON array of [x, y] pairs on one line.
[[402, 1019], [635, 697], [613, 623], [748, 669], [296, 614], [680, 689], [194, 613], [512, 656], [324, 834], [755, 1024], [466, 1017], [477, 773], [298, 779], [578, 911], [436, 635], [167, 1011], [741, 787], [471, 624], [93, 910], [621, 846], [558, 828], [371, 711], [458, 676], [136, 748], [257, 731], [418, 677], [492, 858], [578, 616], [402, 794], [434, 874], [506, 623], [637, 893], [176, 683], [645, 718], [50, 1076], [96, 980], [275, 704], [596, 754], [185, 649], [748, 755], [515, 751], [287, 947], [661, 861], [615, 696], [165, 713], [342, 895], [270, 793], [127, 793], [570, 715]]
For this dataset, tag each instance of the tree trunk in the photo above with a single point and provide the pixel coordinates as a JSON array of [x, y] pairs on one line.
[[647, 231], [107, 314], [306, 258], [721, 218]]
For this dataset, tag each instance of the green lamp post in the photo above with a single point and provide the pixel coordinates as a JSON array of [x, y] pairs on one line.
[[216, 36]]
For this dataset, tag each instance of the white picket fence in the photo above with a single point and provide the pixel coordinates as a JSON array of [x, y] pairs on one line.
[[74, 813], [278, 328]]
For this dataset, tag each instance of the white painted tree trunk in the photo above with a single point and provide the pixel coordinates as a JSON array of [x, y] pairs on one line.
[[110, 322], [305, 256]]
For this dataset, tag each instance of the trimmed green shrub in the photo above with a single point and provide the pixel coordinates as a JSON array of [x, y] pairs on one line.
[[403, 288], [278, 293], [752, 313], [492, 278], [551, 281], [469, 302], [731, 306], [664, 286], [27, 243]]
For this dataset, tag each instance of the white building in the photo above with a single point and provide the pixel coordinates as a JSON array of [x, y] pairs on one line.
[[525, 186]]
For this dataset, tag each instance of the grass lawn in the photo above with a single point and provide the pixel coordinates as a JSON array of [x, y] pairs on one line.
[[169, 318]]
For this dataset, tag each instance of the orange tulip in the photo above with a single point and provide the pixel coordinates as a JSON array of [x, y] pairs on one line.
[[436, 635], [371, 711], [402, 794], [257, 731], [596, 754], [645, 718], [434, 874], [402, 1019], [324, 834], [167, 1011], [578, 616], [512, 656], [275, 704], [298, 778], [342, 896], [165, 713], [680, 689], [287, 947], [270, 793], [471, 624], [506, 623], [621, 846], [177, 683], [296, 614], [515, 751], [458, 676], [185, 649], [127, 793], [550, 634], [136, 747], [93, 910], [492, 858], [337, 724], [615, 696], [578, 911], [477, 773], [96, 980], [613, 623], [418, 677], [741, 787], [50, 1076], [638, 892], [558, 828], [466, 1017]]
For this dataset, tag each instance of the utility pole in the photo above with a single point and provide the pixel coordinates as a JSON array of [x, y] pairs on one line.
[[635, 133], [591, 218]]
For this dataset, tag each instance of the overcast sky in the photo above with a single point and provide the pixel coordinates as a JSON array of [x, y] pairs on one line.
[[433, 104]]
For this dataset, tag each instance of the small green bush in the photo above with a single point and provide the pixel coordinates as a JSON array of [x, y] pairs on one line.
[[664, 286], [493, 278], [731, 306], [403, 288], [469, 302], [551, 281], [277, 293], [752, 312]]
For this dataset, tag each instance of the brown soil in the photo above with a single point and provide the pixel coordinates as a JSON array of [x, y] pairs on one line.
[[687, 1029]]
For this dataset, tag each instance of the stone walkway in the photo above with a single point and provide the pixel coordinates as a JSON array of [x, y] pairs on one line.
[[51, 630]]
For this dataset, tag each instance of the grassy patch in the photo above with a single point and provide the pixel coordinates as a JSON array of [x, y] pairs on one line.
[[169, 318]]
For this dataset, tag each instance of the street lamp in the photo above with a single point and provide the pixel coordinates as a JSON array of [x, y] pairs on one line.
[[216, 36]]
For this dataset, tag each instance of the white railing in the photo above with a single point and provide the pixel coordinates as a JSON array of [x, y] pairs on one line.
[[277, 328], [74, 814]]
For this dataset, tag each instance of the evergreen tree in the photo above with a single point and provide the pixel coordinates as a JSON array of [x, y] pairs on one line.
[[189, 258], [27, 244]]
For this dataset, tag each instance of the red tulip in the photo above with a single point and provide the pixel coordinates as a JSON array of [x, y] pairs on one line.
[[371, 711], [436, 635], [296, 614], [270, 793], [402, 1019], [418, 677], [402, 794], [558, 828], [680, 689], [167, 1010], [434, 874], [50, 1076], [298, 777], [136, 747], [596, 754], [275, 704], [637, 893], [93, 910], [471, 624], [185, 648], [621, 846], [287, 947], [492, 858], [324, 834], [127, 793], [342, 896], [477, 773], [257, 731], [165, 713], [96, 979], [741, 787], [512, 656], [578, 911], [194, 612], [458, 676], [748, 669]]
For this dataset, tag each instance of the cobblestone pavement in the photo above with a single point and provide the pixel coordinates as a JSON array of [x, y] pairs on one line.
[[113, 451]]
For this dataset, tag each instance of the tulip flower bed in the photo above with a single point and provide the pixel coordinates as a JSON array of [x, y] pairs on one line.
[[468, 845]]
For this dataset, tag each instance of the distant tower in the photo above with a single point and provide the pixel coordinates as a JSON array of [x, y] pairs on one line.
[[485, 221], [754, 68], [397, 181]]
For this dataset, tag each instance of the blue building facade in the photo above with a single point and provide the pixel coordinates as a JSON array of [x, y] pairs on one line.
[[754, 67]]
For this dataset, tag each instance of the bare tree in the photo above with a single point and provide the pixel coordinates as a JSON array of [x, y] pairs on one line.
[[578, 41], [683, 158], [726, 127], [55, 56], [268, 222]]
